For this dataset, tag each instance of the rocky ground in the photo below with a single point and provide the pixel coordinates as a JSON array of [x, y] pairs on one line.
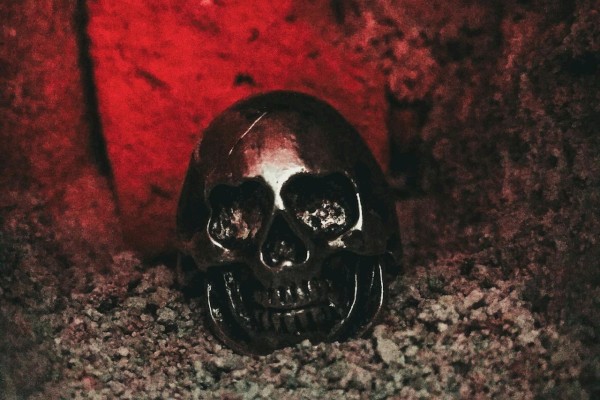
[[458, 327]]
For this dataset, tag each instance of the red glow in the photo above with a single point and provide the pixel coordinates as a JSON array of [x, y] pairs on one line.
[[165, 69]]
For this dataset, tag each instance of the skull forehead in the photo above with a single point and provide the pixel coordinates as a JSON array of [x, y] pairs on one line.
[[274, 146]]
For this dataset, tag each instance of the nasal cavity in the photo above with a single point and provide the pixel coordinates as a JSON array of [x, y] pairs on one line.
[[282, 248]]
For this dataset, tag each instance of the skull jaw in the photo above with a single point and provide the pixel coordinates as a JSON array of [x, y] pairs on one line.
[[267, 330]]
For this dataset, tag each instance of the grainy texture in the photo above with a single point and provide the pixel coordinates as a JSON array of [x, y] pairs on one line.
[[492, 114], [457, 328]]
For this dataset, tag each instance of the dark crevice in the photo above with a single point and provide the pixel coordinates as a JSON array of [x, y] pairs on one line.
[[244, 79], [338, 11], [408, 156], [167, 258], [344, 10], [96, 139], [586, 64]]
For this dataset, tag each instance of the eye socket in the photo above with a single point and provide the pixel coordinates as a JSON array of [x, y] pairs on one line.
[[238, 213], [327, 205]]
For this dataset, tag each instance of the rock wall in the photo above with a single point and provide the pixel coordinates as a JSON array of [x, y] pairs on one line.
[[50, 146]]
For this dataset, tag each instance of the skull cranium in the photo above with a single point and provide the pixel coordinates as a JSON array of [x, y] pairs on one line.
[[286, 216]]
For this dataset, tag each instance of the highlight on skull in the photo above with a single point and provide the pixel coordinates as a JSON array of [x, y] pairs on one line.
[[286, 221]]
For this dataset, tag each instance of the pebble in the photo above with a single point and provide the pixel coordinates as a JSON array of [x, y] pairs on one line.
[[123, 351], [388, 351], [166, 314], [472, 298]]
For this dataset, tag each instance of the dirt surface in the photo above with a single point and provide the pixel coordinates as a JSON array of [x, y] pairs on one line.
[[492, 113], [456, 327]]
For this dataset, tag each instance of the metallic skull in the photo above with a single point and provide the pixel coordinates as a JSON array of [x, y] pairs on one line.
[[286, 219]]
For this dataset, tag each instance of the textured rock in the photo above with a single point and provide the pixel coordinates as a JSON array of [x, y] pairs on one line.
[[48, 146]]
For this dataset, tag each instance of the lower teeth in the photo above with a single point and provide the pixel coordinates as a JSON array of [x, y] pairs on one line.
[[294, 321], [295, 309]]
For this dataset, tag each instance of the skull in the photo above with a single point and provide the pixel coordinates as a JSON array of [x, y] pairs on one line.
[[286, 221]]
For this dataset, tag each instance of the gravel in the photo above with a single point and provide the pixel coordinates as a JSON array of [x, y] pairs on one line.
[[128, 332]]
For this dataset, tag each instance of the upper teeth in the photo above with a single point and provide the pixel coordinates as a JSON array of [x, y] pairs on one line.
[[285, 309], [292, 295]]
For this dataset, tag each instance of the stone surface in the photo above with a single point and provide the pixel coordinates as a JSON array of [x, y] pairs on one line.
[[48, 146]]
